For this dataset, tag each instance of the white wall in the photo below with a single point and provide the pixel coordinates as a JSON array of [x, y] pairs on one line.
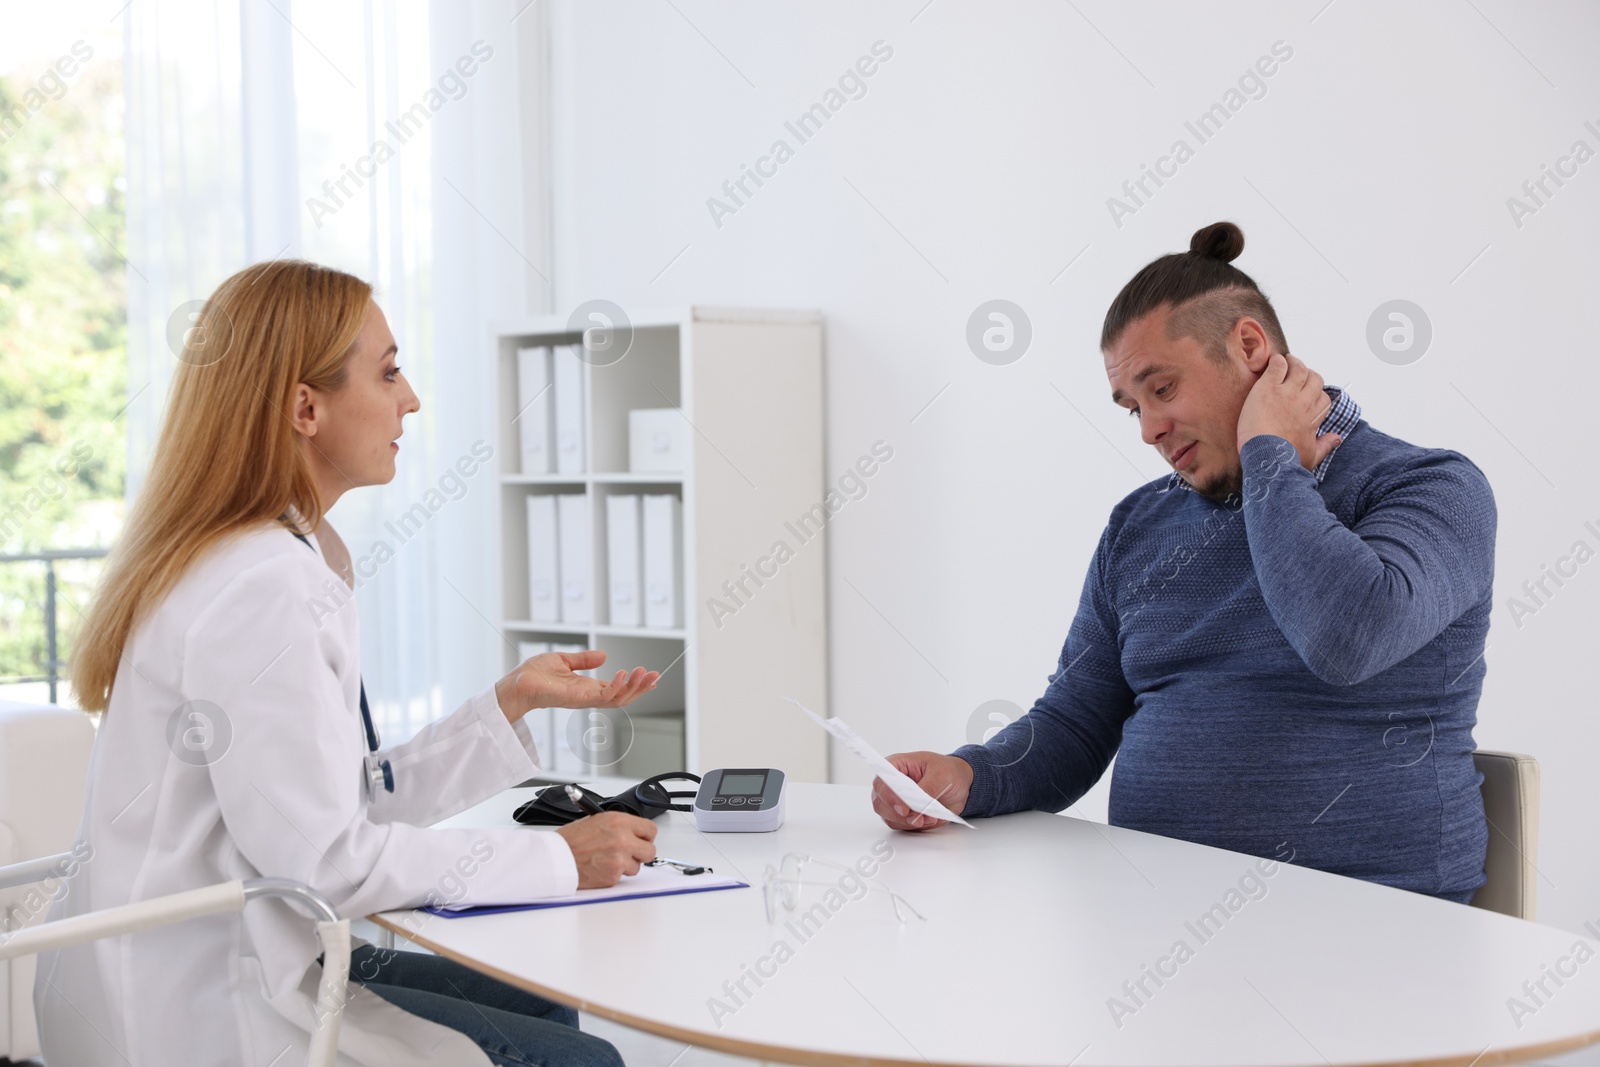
[[978, 164]]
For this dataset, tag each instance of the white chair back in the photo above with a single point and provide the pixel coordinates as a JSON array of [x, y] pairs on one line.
[[1511, 803]]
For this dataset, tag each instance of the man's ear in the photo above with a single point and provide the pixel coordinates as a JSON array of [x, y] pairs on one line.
[[304, 410], [1250, 341]]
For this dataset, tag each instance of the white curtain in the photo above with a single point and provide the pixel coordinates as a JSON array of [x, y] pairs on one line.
[[385, 139]]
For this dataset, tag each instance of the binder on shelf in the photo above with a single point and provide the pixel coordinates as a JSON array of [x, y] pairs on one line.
[[544, 578], [622, 559], [539, 719], [567, 372], [533, 408], [663, 561], [572, 515], [565, 759]]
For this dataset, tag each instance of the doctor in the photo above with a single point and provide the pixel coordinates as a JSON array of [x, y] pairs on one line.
[[233, 744]]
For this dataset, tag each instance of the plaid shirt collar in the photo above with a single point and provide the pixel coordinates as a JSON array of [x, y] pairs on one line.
[[1341, 419]]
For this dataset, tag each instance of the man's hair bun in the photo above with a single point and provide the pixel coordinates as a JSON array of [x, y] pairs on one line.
[[1206, 293], [1221, 240]]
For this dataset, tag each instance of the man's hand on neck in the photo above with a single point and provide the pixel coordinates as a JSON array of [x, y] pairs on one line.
[[1287, 401]]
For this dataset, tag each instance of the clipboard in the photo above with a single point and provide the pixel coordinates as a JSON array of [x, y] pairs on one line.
[[649, 882]]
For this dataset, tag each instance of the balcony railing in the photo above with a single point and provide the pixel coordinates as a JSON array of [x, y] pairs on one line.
[[52, 661]]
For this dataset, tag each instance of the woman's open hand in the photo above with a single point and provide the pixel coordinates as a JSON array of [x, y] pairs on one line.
[[551, 680]]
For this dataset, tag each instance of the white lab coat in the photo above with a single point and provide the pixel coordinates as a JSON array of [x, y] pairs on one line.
[[255, 629]]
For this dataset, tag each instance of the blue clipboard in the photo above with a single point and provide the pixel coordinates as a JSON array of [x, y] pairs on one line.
[[572, 901]]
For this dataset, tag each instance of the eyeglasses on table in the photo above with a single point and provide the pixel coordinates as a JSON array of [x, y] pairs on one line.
[[780, 887]]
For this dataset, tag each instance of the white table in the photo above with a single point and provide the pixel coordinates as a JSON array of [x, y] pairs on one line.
[[1034, 922]]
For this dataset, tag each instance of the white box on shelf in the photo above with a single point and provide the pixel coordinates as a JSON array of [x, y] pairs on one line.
[[533, 408], [663, 561], [567, 372], [577, 546], [656, 440], [657, 745], [622, 559], [544, 575]]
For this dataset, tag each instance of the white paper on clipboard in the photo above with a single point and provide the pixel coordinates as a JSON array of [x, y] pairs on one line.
[[909, 792]]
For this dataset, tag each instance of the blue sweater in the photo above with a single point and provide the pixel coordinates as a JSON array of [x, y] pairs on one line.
[[1294, 675]]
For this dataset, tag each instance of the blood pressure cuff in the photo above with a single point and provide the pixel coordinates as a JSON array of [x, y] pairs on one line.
[[649, 799]]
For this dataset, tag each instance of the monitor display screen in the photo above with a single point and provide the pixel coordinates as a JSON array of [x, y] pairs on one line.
[[739, 785]]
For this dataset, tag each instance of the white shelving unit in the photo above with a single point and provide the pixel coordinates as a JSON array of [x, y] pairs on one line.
[[748, 384]]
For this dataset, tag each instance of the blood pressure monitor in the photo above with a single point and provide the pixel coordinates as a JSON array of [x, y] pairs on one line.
[[740, 800]]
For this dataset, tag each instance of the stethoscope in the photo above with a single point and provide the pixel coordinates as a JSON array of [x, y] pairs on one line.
[[378, 772]]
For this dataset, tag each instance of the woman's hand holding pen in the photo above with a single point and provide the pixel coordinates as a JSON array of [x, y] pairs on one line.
[[551, 680], [609, 845]]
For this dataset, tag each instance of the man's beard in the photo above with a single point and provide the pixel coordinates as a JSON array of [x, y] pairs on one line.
[[1223, 487]]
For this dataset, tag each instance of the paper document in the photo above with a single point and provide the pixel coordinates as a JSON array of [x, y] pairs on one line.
[[909, 792], [649, 882]]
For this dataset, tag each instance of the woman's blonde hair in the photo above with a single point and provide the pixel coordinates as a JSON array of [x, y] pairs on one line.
[[228, 456]]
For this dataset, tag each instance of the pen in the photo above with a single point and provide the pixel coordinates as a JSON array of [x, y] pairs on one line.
[[686, 868], [587, 806]]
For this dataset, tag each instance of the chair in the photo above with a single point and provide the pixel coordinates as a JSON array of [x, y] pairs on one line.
[[333, 931], [44, 767], [1511, 803]]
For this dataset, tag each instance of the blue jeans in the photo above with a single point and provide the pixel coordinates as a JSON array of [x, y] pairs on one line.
[[514, 1028]]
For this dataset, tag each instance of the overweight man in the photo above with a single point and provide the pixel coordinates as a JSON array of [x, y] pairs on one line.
[[1282, 640]]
